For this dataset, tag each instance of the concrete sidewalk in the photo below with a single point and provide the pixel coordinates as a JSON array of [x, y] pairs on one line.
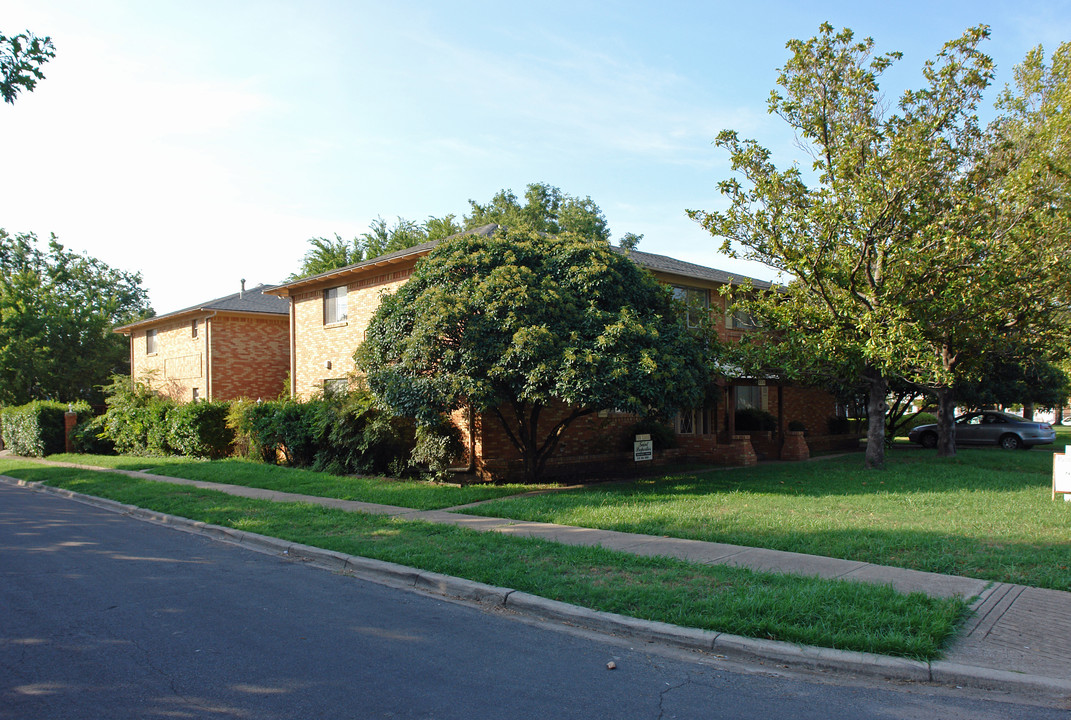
[[1018, 638]]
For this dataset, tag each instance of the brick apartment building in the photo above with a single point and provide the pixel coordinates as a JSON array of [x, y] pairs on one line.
[[330, 312], [224, 349]]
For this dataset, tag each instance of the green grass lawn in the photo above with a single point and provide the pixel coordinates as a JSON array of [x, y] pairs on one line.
[[985, 513], [829, 613], [403, 493]]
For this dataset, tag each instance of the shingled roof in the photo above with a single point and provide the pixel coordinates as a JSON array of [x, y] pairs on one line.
[[666, 264], [246, 301], [651, 261]]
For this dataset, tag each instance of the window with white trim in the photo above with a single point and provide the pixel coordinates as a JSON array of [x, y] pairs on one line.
[[696, 302], [335, 305], [150, 342]]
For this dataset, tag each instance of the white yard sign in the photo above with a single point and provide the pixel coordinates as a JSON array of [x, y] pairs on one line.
[[644, 448], [1061, 474]]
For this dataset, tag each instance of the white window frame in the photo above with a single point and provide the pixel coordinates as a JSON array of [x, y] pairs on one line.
[[335, 311], [150, 342], [693, 298]]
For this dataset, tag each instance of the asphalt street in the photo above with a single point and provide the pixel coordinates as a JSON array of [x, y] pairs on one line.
[[104, 616]]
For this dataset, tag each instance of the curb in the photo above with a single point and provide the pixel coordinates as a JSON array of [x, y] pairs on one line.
[[722, 645]]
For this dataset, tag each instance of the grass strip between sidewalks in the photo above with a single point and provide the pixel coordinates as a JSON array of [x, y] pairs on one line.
[[837, 614], [985, 513], [402, 493]]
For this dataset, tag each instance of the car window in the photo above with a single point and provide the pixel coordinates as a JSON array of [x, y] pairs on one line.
[[996, 419], [973, 420]]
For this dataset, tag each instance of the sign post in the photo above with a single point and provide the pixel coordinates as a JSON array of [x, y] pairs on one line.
[[643, 448]]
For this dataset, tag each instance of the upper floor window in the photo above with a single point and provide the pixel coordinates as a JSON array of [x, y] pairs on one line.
[[696, 301], [335, 305], [193, 328], [150, 342], [743, 320]]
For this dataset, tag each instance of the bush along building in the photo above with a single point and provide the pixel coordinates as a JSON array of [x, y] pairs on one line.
[[329, 315], [237, 346]]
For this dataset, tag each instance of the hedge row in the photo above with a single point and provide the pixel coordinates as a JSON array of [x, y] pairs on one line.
[[347, 433], [37, 428]]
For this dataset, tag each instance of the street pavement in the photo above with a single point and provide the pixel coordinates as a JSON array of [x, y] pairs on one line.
[[1018, 638], [107, 617]]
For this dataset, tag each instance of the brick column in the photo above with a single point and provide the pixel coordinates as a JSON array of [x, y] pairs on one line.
[[795, 447], [70, 419], [742, 452]]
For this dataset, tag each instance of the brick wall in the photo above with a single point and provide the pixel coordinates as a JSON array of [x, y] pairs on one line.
[[250, 356], [318, 345], [178, 365]]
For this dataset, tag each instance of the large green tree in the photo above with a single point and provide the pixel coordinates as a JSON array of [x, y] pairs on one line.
[[57, 310], [324, 255], [898, 243], [21, 58], [522, 323], [545, 209]]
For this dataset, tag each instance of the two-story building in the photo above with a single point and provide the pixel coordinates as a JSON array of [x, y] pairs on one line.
[[224, 349], [330, 312]]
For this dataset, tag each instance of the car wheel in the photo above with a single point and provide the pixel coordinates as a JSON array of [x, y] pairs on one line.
[[928, 440], [1011, 442]]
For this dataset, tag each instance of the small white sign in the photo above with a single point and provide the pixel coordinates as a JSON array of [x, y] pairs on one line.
[[643, 448], [1061, 474]]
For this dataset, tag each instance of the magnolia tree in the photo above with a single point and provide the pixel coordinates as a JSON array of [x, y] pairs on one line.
[[519, 322], [911, 247]]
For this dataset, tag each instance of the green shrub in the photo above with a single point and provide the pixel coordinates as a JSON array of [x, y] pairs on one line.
[[37, 428], [251, 422], [436, 448], [91, 437], [907, 424], [136, 417], [199, 430], [752, 419], [663, 436], [358, 436]]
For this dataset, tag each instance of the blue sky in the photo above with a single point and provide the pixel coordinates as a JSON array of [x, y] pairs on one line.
[[204, 142]]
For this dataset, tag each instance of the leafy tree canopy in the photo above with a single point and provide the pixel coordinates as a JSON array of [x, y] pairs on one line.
[[1028, 382], [546, 209], [911, 246], [57, 310], [21, 58], [535, 329], [325, 255]]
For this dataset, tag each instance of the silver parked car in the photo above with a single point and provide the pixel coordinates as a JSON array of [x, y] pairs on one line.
[[990, 428]]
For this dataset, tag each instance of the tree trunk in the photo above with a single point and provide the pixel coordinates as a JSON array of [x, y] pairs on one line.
[[946, 423], [1028, 411], [876, 408]]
